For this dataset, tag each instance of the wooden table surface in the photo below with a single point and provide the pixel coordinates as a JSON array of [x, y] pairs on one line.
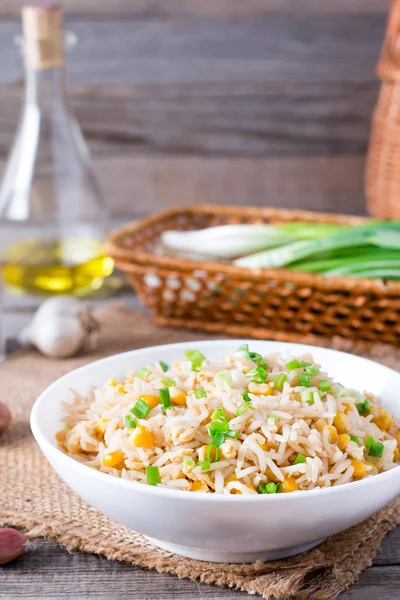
[[48, 572]]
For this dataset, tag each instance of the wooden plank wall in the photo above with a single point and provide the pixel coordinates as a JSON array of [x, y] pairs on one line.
[[263, 102]]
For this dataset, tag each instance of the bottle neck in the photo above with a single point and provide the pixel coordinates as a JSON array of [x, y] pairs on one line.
[[45, 88]]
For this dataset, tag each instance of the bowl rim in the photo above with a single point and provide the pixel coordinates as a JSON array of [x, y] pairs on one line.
[[54, 452]]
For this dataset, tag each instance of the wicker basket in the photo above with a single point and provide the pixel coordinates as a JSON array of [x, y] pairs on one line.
[[261, 303], [383, 160]]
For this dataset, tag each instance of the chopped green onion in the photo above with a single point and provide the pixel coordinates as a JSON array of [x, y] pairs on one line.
[[168, 382], [130, 422], [324, 385], [293, 364], [274, 416], [141, 409], [353, 438], [374, 448], [204, 464], [244, 407], [188, 460], [208, 453], [258, 372], [67, 427], [280, 380], [304, 379], [153, 475], [165, 398], [269, 488], [222, 378], [220, 415], [300, 458], [196, 358], [164, 366], [244, 348], [307, 396], [232, 434], [246, 396], [142, 373], [218, 438], [200, 393], [363, 407], [311, 370], [253, 356], [305, 364], [217, 427]]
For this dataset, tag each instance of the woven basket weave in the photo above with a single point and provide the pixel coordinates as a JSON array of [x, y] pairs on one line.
[[383, 160], [260, 303]]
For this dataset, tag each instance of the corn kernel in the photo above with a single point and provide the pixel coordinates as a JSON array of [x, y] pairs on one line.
[[198, 486], [343, 440], [289, 485], [381, 417], [114, 459], [271, 476], [341, 422], [250, 486], [372, 470], [61, 436], [332, 433], [101, 425], [359, 468], [177, 396], [113, 382], [151, 400], [397, 437], [264, 446], [230, 478], [259, 389], [396, 455], [121, 389], [143, 438]]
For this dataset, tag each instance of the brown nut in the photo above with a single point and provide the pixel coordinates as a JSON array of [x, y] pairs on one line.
[[5, 417], [12, 544]]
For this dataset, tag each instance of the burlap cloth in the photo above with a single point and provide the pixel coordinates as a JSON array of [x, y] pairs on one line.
[[33, 497]]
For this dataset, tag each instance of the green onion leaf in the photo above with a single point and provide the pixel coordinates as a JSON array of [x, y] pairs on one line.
[[67, 427], [196, 358], [153, 475], [217, 427], [165, 398], [246, 396], [260, 373], [363, 407], [293, 364], [130, 422], [353, 438], [232, 434], [274, 416], [280, 380], [208, 453], [163, 365], [218, 439], [300, 458], [243, 348], [188, 460], [307, 396], [142, 373], [311, 370], [324, 385], [141, 409], [222, 378], [304, 379], [220, 414], [168, 382], [243, 408], [374, 448], [200, 393], [204, 464], [269, 488]]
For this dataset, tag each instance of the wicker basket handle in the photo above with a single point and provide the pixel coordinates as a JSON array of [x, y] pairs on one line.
[[388, 67]]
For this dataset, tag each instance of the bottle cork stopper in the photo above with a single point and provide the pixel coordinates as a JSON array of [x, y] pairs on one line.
[[42, 26]]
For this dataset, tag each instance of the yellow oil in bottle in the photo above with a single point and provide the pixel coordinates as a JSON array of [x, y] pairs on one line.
[[67, 266]]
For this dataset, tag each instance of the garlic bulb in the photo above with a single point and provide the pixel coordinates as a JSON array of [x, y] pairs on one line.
[[60, 327]]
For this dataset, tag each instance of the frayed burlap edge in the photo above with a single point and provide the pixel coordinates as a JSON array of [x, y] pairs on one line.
[[38, 502]]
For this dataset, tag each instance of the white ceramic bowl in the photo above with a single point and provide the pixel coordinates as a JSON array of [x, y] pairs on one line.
[[218, 527]]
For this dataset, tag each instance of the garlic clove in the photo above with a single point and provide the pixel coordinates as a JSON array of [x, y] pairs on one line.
[[58, 307], [58, 337]]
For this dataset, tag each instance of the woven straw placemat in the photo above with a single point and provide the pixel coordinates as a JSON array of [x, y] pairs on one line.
[[33, 497]]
